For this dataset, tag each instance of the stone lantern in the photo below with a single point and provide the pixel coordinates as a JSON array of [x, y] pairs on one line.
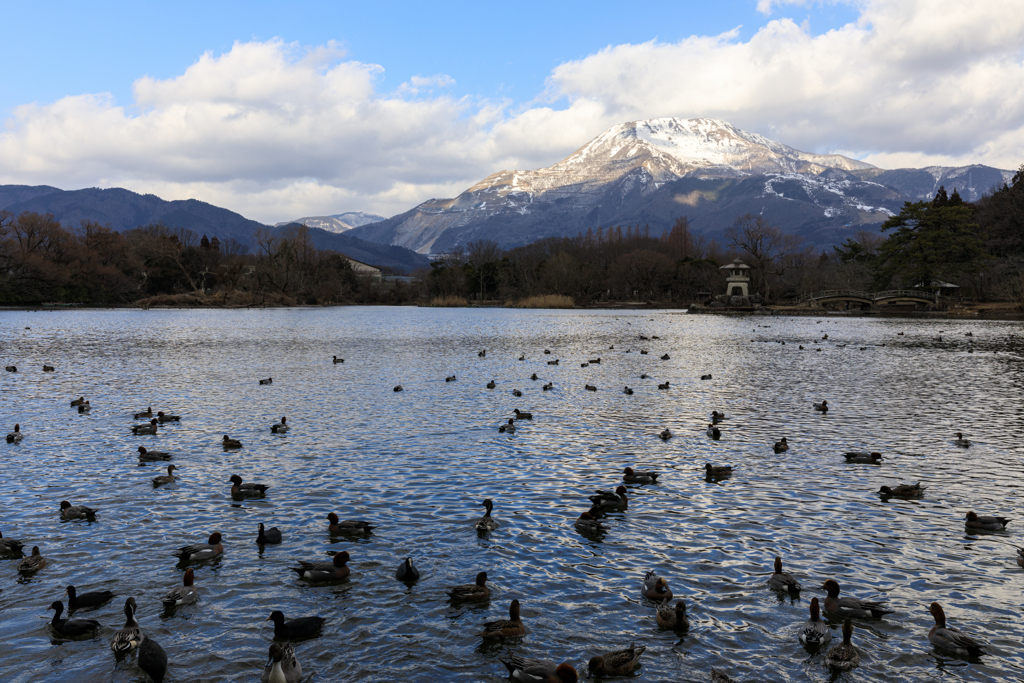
[[737, 282]]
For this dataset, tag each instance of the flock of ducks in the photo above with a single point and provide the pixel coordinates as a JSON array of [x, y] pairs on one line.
[[283, 666]]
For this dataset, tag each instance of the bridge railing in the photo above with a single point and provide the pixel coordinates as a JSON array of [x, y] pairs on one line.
[[830, 293], [870, 296], [909, 293]]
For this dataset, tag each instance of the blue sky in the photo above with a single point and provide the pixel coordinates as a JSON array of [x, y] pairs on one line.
[[285, 110]]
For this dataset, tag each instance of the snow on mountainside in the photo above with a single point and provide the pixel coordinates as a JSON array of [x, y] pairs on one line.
[[339, 222]]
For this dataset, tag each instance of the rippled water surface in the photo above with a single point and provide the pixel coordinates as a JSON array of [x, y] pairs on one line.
[[418, 463]]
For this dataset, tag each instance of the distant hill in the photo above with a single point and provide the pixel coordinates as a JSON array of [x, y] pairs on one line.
[[124, 210], [339, 222]]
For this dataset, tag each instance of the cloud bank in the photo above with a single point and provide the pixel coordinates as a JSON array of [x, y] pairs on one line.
[[275, 131]]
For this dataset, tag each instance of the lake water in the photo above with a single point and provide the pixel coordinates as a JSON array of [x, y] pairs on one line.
[[418, 463]]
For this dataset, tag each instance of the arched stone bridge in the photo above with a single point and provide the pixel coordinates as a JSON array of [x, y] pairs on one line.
[[892, 296]]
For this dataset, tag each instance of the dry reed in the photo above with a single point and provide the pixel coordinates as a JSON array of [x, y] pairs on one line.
[[448, 301], [545, 301]]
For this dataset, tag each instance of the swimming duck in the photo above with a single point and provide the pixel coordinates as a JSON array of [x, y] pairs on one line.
[[596, 361], [266, 536], [129, 637], [644, 375], [16, 436], [453, 378], [844, 656], [198, 552], [665, 357], [282, 666], [164, 417], [717, 470], [719, 677], [491, 384], [627, 391], [10, 546], [961, 441], [717, 416], [505, 628], [407, 572], [302, 628], [705, 377], [781, 581], [815, 632], [185, 594], [398, 387], [632, 476], [337, 360], [584, 365], [781, 446], [714, 432], [348, 526], [534, 377], [483, 353], [281, 427], [608, 499], [643, 352], [863, 457], [269, 380], [85, 407], [986, 523], [240, 490], [148, 412], [317, 572], [522, 357], [153, 659], [553, 362], [86, 600], [69, 511], [77, 402], [11, 368], [589, 524], [151, 456], [590, 387], [487, 523], [951, 639], [33, 563], [902, 491], [822, 408], [664, 386], [520, 415], [547, 352], [145, 428], [673, 617], [471, 592], [508, 428], [851, 607], [617, 663], [549, 386], [72, 628], [539, 670], [165, 479], [517, 393], [656, 588]]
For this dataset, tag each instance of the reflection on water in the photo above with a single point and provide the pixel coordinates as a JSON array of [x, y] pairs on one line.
[[418, 463]]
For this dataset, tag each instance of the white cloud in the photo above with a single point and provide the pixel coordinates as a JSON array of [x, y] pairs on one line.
[[274, 131]]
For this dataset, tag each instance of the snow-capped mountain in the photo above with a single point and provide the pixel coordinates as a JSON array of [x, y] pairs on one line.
[[652, 172], [339, 222]]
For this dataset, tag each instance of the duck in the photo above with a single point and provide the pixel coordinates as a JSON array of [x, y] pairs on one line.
[[197, 552], [318, 572], [851, 607], [627, 391], [705, 377], [596, 361], [129, 637], [483, 353], [407, 572], [152, 456], [608, 499], [717, 470], [508, 428], [85, 407], [282, 665], [844, 656], [471, 592], [590, 387], [348, 526], [69, 511], [72, 628], [302, 628], [664, 387], [269, 380], [617, 663], [986, 523], [714, 432], [11, 368], [162, 417], [266, 536], [672, 617], [951, 639], [16, 436], [539, 670], [185, 594], [1020, 556], [491, 384], [145, 428], [534, 377], [781, 446], [547, 352], [520, 415], [240, 490], [635, 477], [643, 352], [153, 659], [168, 478], [522, 357], [517, 393], [719, 677], [86, 600], [549, 386], [486, 523], [281, 427], [863, 457], [451, 378], [822, 408], [644, 375], [902, 491], [148, 412], [780, 581], [655, 588], [815, 632], [77, 401], [33, 563], [228, 442], [505, 628], [588, 523], [10, 546], [398, 387], [665, 357], [336, 360], [961, 441], [553, 362], [584, 365], [717, 416]]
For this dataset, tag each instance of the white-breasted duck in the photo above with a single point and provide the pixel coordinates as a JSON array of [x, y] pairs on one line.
[[815, 632], [282, 665], [321, 572], [539, 670], [672, 616], [851, 607], [781, 581], [505, 628], [69, 511], [281, 427], [248, 490], [638, 477], [471, 592], [986, 523], [347, 527], [655, 588], [950, 639], [616, 663], [486, 523], [72, 628], [844, 656], [185, 594], [198, 552], [168, 478], [128, 638]]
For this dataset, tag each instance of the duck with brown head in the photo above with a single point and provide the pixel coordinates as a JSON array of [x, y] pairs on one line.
[[145, 428], [348, 527], [184, 594], [322, 572], [780, 581], [950, 639], [655, 588], [851, 607], [471, 592], [33, 563], [979, 522], [815, 632], [539, 670], [608, 500], [672, 616], [844, 656], [505, 628], [198, 552], [616, 663]]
